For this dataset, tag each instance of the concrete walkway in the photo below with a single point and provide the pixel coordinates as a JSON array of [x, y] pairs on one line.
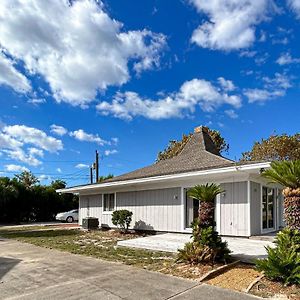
[[242, 248], [35, 273]]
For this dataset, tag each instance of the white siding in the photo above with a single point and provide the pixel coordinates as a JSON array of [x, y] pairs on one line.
[[255, 208], [234, 209], [152, 209]]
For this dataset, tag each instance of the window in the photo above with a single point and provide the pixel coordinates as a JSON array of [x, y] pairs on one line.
[[108, 202]]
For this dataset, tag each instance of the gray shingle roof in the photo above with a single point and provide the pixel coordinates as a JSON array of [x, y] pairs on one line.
[[199, 153]]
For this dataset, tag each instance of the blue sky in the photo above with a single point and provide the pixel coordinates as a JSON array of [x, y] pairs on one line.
[[125, 77]]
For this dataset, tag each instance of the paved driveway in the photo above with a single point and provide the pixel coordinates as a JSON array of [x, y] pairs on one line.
[[242, 248], [30, 272]]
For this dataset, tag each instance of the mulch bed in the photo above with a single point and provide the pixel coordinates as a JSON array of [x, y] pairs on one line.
[[236, 278]]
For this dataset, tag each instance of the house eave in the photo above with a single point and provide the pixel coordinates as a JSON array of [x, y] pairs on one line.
[[163, 178]]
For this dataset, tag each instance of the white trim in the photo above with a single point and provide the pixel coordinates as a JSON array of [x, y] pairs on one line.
[[249, 206], [241, 168], [218, 213], [267, 230], [109, 212], [183, 213]]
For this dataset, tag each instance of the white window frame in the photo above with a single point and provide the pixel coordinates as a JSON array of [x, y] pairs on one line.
[[268, 230], [109, 212]]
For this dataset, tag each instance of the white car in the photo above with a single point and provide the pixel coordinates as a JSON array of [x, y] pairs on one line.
[[69, 216]]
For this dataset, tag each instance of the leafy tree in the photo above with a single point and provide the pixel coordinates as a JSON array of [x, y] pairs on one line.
[[287, 173], [27, 179], [103, 178], [276, 147], [58, 184], [175, 147], [19, 203]]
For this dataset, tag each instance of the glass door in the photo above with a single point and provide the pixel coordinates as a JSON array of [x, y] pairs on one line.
[[191, 210], [268, 205]]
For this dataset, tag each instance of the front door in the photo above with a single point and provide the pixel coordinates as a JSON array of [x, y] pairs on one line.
[[268, 208]]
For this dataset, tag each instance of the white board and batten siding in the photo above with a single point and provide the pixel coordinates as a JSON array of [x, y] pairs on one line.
[[158, 210], [234, 209]]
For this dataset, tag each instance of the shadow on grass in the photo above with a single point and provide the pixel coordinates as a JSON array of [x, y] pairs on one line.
[[39, 233]]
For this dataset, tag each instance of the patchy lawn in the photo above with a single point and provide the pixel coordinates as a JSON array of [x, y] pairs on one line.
[[103, 244]]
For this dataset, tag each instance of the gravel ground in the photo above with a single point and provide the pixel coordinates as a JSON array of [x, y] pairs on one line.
[[237, 278]]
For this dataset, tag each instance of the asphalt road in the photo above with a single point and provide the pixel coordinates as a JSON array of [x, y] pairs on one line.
[[30, 272]]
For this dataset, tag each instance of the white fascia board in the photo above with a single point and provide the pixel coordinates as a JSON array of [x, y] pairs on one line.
[[245, 168]]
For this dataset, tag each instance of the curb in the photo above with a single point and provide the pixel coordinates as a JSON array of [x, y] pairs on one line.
[[212, 273]]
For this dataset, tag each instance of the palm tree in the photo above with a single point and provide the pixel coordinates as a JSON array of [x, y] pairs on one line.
[[206, 194], [287, 173]]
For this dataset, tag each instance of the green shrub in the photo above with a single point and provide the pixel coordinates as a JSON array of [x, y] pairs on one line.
[[206, 247], [283, 261], [122, 219]]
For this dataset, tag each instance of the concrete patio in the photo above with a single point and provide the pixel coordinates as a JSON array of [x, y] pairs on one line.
[[243, 249]]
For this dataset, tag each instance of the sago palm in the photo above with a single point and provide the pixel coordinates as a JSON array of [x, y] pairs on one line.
[[206, 194], [287, 173]]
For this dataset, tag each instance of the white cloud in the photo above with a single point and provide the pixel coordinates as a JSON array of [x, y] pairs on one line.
[[33, 136], [15, 141], [75, 46], [262, 95], [286, 59], [15, 168], [110, 152], [191, 94], [272, 88], [11, 77], [231, 113], [231, 23], [37, 101], [227, 85], [295, 6], [58, 170], [20, 155], [59, 130], [44, 177], [8, 142], [82, 166], [83, 136], [115, 140]]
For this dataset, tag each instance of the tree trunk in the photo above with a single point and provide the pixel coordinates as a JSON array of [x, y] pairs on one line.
[[292, 208], [206, 214]]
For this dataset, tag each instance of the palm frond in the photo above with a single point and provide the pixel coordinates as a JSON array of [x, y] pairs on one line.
[[207, 192], [286, 173]]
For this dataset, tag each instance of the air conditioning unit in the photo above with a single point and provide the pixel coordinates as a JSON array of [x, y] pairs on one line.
[[90, 223]]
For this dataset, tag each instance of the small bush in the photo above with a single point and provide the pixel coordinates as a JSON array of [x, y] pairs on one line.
[[207, 246], [122, 219], [283, 262]]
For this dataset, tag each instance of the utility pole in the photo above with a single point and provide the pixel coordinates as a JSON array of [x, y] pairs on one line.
[[91, 174], [97, 166]]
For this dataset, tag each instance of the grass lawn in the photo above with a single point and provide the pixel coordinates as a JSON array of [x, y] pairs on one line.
[[103, 244]]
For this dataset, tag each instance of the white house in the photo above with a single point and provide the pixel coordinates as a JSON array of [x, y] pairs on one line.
[[157, 194]]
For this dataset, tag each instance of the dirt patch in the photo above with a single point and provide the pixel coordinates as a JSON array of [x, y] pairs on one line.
[[186, 270], [236, 278], [266, 288]]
